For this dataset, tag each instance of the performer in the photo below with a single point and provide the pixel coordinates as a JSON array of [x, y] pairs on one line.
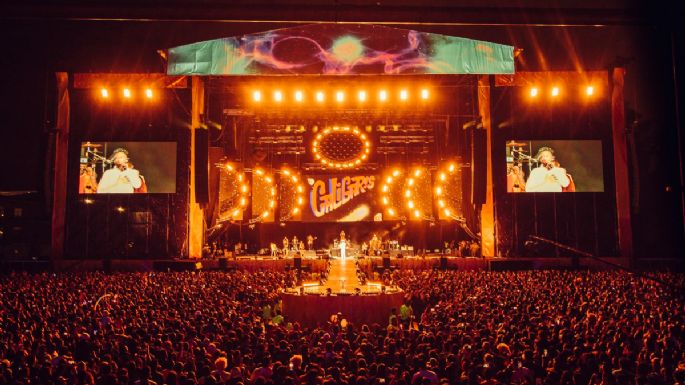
[[310, 242], [515, 179], [274, 249], [343, 245], [548, 176], [285, 246], [374, 244], [301, 245], [121, 178], [88, 180], [295, 243]]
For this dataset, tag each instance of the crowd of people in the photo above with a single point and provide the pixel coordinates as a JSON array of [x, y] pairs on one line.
[[534, 327]]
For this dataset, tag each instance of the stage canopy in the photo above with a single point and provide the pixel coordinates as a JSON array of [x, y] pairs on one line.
[[340, 49]]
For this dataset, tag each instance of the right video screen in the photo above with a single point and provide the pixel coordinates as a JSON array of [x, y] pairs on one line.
[[554, 166]]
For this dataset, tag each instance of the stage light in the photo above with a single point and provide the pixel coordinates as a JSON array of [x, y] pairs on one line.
[[296, 210], [127, 93], [438, 191], [294, 178], [243, 201], [240, 177], [88, 201], [278, 96], [404, 95], [410, 181], [555, 91], [340, 96], [268, 179], [257, 96], [590, 90], [384, 188], [410, 204], [447, 212], [533, 92], [424, 94], [243, 188], [272, 204], [417, 173], [361, 96], [286, 172], [299, 96], [388, 179], [236, 212], [300, 189], [417, 214], [104, 92], [391, 212], [229, 167], [120, 209], [319, 96], [383, 95], [451, 168], [407, 193], [148, 93], [395, 173], [442, 176], [259, 171], [385, 199], [265, 214], [441, 203]]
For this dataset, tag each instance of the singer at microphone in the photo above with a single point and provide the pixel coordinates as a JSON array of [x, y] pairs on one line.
[[548, 176], [122, 178]]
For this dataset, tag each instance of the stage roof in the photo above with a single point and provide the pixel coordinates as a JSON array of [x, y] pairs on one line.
[[340, 49]]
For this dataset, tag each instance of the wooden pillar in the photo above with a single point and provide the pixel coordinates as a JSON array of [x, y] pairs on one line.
[[625, 231], [59, 182], [195, 213], [487, 213]]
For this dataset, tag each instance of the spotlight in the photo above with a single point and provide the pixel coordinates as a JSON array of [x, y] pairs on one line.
[[424, 94], [278, 96], [104, 92], [120, 209], [298, 96], [148, 93], [383, 95], [533, 92], [417, 213], [362, 96], [88, 201], [590, 90], [447, 212], [396, 173], [340, 96], [257, 96], [127, 93], [404, 95], [555, 91], [319, 96]]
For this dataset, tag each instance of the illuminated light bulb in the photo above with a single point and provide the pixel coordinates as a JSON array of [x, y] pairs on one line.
[[236, 212], [388, 180], [286, 172], [391, 211], [447, 212], [272, 204], [299, 96], [265, 214], [384, 188], [411, 181], [534, 92], [300, 189], [300, 200], [396, 173], [268, 179], [296, 210], [259, 171], [417, 172], [590, 90], [294, 179], [441, 203], [410, 204], [273, 191], [229, 167], [88, 201], [244, 188], [363, 156], [148, 93], [385, 200], [357, 161], [417, 213], [120, 209], [438, 191], [127, 93], [555, 91], [404, 95], [340, 96], [407, 193], [242, 201], [424, 94], [240, 177], [336, 128], [367, 144], [383, 95], [361, 96], [278, 96], [104, 92], [442, 176], [451, 168], [318, 137], [319, 96], [257, 96], [315, 150]]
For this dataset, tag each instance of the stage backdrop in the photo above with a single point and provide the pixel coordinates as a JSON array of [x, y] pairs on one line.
[[341, 198]]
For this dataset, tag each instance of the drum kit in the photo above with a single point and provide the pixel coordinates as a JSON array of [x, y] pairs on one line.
[[519, 155], [93, 155]]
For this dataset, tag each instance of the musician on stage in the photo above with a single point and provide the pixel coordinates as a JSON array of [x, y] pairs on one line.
[[295, 243], [286, 242], [88, 180], [548, 176], [122, 178], [310, 242], [343, 245]]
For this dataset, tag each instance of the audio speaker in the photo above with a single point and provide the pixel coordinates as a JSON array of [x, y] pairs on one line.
[[297, 262], [478, 166], [201, 166]]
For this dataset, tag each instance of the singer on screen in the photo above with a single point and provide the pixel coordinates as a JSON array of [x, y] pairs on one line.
[[548, 176], [122, 178]]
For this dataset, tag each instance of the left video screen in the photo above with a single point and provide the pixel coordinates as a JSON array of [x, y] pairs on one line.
[[127, 168]]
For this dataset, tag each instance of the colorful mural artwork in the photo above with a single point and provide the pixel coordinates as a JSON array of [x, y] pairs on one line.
[[340, 49]]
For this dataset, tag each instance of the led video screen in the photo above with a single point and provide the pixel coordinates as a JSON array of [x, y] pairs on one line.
[[127, 167], [554, 166], [340, 198]]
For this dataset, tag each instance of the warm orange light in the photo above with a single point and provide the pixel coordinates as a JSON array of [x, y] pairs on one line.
[[396, 172], [299, 96], [533, 92], [438, 191], [278, 96], [148, 93], [451, 168], [417, 213], [257, 96], [447, 212], [319, 96], [410, 204], [555, 91], [340, 96], [383, 95], [361, 96], [590, 90], [127, 93], [424, 94], [104, 92], [404, 95]]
